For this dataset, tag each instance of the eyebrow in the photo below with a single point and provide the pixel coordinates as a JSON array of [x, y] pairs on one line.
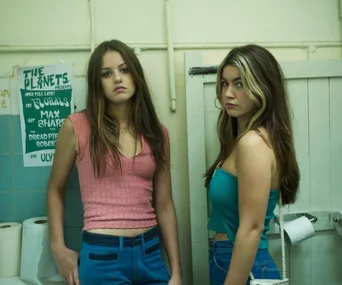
[[234, 79], [120, 65]]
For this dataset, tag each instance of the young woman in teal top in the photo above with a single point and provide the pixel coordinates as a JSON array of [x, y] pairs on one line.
[[256, 164]]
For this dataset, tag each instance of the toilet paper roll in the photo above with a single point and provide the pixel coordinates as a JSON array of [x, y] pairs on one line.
[[10, 249], [298, 230], [36, 259]]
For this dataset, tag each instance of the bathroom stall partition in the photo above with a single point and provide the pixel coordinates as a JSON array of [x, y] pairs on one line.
[[315, 91]]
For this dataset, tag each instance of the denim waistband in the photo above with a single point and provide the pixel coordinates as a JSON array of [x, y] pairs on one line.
[[220, 243], [110, 240]]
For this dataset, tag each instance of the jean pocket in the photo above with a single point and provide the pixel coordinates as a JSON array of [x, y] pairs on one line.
[[221, 261], [152, 248], [102, 256]]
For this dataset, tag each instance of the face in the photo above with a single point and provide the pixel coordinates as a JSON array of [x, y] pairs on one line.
[[117, 82], [234, 98]]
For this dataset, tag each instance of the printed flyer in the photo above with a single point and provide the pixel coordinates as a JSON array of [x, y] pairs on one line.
[[45, 101]]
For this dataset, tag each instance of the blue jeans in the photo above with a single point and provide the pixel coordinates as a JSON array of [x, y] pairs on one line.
[[220, 254], [107, 260]]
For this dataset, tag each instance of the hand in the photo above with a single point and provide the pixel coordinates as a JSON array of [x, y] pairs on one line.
[[66, 261], [175, 280]]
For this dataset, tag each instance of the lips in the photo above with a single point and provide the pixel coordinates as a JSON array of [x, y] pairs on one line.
[[119, 88]]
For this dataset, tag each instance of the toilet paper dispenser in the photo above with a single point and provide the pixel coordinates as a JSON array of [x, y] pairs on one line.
[[298, 227], [336, 219], [293, 216], [325, 220]]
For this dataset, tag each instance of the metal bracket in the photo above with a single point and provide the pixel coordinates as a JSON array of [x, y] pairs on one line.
[[203, 70], [321, 220], [291, 217]]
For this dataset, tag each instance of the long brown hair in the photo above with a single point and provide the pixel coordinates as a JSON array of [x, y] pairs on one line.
[[105, 129], [264, 83]]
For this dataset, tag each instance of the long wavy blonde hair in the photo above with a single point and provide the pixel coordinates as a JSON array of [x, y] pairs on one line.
[[264, 83]]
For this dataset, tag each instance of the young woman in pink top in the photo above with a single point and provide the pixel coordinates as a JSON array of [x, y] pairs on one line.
[[122, 154]]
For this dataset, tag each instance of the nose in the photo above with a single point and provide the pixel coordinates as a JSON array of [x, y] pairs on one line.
[[229, 92], [117, 77]]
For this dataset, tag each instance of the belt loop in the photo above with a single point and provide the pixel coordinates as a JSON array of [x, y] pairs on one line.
[[81, 239], [121, 242], [142, 238], [212, 243]]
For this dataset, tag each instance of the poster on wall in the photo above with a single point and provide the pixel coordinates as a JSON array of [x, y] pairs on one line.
[[45, 101]]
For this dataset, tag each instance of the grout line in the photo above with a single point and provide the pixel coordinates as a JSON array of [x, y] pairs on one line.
[[13, 170], [30, 191]]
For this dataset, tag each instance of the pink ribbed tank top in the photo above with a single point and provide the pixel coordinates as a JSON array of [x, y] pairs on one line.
[[114, 200]]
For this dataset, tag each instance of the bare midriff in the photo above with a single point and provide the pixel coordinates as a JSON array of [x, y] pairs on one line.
[[120, 232], [221, 236]]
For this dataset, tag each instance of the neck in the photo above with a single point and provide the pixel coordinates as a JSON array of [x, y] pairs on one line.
[[241, 125], [121, 113]]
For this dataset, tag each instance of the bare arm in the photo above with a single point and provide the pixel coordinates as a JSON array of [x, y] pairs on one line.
[[166, 215], [254, 171], [64, 159]]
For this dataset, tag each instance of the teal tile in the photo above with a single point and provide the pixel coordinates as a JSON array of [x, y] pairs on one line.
[[73, 182], [16, 134], [30, 178], [5, 131], [29, 205], [73, 209], [72, 236], [6, 173], [7, 207]]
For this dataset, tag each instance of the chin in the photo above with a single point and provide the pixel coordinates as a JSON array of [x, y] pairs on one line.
[[232, 114], [120, 99]]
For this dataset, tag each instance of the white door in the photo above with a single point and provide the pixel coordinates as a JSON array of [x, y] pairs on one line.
[[315, 89]]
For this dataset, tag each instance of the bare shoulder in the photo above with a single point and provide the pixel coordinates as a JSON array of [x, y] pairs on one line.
[[253, 140], [164, 129], [165, 132], [66, 135], [68, 125], [67, 129], [254, 145], [253, 156]]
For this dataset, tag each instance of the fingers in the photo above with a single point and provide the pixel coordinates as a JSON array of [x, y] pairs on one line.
[[76, 279], [70, 279]]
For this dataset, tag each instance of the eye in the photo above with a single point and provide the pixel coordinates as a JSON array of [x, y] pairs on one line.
[[224, 84], [106, 74], [239, 84], [124, 70]]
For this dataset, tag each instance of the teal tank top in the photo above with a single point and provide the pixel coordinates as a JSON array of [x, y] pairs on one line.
[[224, 214]]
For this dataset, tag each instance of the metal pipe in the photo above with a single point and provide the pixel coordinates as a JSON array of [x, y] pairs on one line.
[[145, 47], [266, 45], [45, 48], [170, 51], [340, 4], [92, 28]]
